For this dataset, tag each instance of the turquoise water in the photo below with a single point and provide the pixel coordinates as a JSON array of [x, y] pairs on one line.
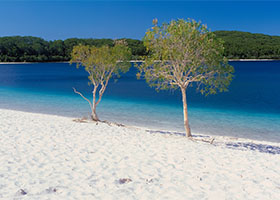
[[251, 108]]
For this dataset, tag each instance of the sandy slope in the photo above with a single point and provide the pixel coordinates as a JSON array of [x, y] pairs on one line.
[[51, 157]]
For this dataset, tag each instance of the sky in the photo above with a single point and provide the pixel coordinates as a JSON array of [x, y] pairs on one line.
[[63, 19]]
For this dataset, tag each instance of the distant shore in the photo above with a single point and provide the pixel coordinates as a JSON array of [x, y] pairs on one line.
[[6, 63], [242, 60], [254, 59]]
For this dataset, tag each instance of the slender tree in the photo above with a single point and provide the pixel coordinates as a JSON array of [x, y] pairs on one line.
[[101, 63], [184, 53]]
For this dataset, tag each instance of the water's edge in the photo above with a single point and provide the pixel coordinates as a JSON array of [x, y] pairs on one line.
[[251, 108]]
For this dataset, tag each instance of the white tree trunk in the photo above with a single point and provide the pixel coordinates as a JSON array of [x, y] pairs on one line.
[[185, 111], [94, 116], [92, 105]]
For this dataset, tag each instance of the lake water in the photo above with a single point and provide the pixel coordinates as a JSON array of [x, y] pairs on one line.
[[250, 109]]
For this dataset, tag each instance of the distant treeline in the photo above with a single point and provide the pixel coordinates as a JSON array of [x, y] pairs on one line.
[[34, 49], [244, 45], [238, 45]]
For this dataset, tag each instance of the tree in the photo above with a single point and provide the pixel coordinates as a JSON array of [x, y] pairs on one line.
[[137, 48], [184, 53], [101, 63]]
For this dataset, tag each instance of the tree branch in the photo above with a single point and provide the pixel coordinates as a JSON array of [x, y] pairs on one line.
[[83, 97], [101, 91]]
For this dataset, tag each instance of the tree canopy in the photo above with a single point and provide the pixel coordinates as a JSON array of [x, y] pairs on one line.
[[101, 63], [184, 53]]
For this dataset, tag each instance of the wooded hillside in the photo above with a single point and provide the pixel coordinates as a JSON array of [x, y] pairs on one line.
[[242, 45], [238, 45], [34, 49]]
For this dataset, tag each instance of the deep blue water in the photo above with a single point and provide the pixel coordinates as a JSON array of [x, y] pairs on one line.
[[250, 109]]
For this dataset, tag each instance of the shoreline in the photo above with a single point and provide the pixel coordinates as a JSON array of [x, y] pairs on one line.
[[230, 60], [220, 138], [8, 63], [248, 60], [53, 157]]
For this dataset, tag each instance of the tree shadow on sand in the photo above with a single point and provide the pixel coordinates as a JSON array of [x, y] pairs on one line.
[[263, 148]]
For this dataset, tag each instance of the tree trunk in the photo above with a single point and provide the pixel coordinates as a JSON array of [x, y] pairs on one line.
[[185, 111], [94, 116], [92, 105]]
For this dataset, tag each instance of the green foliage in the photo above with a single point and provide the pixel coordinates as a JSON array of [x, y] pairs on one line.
[[102, 62], [20, 49], [244, 45], [33, 49], [182, 53], [70, 43], [137, 47]]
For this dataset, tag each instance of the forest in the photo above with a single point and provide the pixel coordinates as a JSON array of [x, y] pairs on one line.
[[238, 45], [34, 49], [245, 45]]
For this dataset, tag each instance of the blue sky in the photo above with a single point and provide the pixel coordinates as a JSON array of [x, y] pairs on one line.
[[118, 19]]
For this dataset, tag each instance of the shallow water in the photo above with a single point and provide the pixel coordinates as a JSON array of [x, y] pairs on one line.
[[250, 109]]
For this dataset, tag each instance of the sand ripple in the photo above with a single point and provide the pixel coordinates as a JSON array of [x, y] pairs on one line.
[[51, 157]]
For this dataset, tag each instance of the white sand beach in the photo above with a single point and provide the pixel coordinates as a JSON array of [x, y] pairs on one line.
[[52, 157]]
